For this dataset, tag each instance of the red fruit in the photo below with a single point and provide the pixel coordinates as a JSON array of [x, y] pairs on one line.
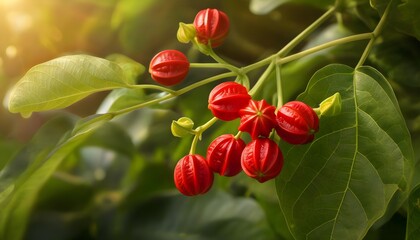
[[226, 99], [192, 175], [211, 25], [224, 155], [297, 123], [169, 67], [258, 118], [262, 159]]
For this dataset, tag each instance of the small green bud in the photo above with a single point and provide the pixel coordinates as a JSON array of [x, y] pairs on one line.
[[186, 32], [331, 106], [182, 127]]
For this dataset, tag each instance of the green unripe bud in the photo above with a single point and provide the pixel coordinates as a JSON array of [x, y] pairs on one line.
[[182, 127], [186, 32], [331, 106]]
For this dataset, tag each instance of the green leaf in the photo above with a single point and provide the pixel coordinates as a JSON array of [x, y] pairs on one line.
[[403, 15], [131, 68], [8, 149], [63, 81], [17, 178], [413, 228], [215, 215], [24, 176], [338, 186], [90, 123], [122, 98]]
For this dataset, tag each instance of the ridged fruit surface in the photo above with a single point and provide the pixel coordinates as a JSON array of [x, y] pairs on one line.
[[224, 155], [262, 159], [192, 175]]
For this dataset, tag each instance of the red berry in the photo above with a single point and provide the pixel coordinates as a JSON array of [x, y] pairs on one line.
[[211, 25], [262, 159], [192, 175], [224, 155], [169, 67], [258, 118], [226, 99], [297, 123]]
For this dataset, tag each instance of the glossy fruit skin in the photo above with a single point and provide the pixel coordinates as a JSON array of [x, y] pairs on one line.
[[257, 119], [297, 123], [224, 155], [211, 25], [226, 99], [169, 67], [192, 175], [262, 159]]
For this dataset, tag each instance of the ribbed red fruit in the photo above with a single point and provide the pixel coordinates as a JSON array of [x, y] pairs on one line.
[[192, 175], [224, 155], [258, 118], [262, 159], [226, 99], [169, 67], [297, 122], [211, 25]]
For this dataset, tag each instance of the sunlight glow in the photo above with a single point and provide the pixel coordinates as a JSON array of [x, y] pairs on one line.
[[11, 51], [18, 21], [9, 3]]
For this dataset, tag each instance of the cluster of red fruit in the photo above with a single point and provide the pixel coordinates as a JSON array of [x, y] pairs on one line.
[[295, 122], [210, 28]]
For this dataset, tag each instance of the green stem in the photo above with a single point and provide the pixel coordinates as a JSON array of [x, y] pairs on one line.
[[208, 124], [211, 65], [293, 43], [204, 82], [357, 37], [261, 80], [194, 144], [376, 32], [153, 87], [142, 105], [222, 61], [238, 135], [305, 33], [171, 94], [279, 87], [216, 57], [199, 131]]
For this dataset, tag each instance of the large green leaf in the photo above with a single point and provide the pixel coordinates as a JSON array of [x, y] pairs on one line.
[[338, 186], [8, 149], [131, 68], [63, 81], [24, 176], [413, 227], [215, 215]]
